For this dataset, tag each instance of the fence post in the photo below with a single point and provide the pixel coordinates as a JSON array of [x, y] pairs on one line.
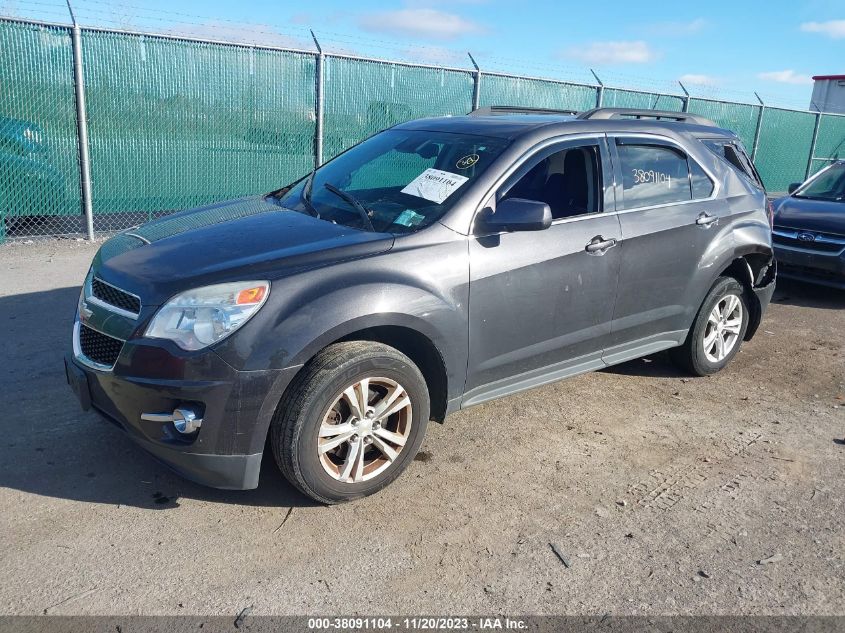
[[686, 98], [320, 101], [758, 128], [599, 89], [813, 145], [81, 124], [476, 84]]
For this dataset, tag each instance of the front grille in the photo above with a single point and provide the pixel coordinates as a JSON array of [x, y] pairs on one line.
[[822, 242], [115, 296], [98, 347]]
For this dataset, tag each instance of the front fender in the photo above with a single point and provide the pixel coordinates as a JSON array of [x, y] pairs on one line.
[[423, 287]]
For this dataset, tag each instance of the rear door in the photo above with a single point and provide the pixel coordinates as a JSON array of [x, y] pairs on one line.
[[669, 213]]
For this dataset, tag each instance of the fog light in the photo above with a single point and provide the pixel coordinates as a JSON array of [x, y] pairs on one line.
[[184, 420]]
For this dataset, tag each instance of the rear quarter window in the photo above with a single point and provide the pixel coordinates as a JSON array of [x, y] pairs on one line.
[[736, 155]]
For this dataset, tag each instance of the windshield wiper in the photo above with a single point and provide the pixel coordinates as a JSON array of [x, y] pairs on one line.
[[306, 196], [355, 203]]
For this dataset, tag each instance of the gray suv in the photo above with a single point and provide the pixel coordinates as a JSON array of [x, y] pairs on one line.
[[437, 265]]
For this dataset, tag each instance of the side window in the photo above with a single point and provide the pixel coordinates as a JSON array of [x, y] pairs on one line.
[[702, 186], [569, 181], [736, 156], [653, 174]]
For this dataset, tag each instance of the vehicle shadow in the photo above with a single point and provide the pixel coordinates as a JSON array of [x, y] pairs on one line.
[[51, 447], [805, 295], [657, 365]]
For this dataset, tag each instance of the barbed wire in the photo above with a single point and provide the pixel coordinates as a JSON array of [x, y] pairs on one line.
[[104, 13]]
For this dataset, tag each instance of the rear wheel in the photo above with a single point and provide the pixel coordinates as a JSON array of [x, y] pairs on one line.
[[351, 421], [718, 330]]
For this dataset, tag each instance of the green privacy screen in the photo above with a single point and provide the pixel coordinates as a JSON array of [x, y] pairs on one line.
[[830, 145], [783, 150], [616, 98], [176, 124], [39, 170], [364, 97], [738, 117], [535, 93]]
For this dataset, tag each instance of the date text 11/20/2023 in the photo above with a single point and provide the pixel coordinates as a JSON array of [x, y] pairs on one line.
[[417, 623]]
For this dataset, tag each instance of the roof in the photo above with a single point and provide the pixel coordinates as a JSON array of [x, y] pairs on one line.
[[827, 77]]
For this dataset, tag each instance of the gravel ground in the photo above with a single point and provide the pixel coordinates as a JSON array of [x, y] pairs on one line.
[[663, 494]]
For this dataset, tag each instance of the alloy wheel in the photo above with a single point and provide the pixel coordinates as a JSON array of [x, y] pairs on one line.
[[364, 430], [723, 327]]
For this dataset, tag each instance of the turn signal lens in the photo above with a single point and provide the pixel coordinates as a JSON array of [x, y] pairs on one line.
[[251, 295]]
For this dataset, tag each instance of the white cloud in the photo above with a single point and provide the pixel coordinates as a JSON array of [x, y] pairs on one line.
[[700, 80], [427, 23], [786, 77], [635, 52], [833, 28]]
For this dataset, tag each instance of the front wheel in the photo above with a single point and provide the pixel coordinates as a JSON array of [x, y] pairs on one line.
[[718, 330], [351, 421]]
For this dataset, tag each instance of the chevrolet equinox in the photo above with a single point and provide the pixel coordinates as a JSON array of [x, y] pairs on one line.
[[436, 265]]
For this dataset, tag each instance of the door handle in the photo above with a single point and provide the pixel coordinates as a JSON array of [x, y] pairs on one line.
[[598, 245], [706, 220]]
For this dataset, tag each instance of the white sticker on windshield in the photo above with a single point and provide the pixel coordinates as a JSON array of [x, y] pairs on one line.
[[434, 185]]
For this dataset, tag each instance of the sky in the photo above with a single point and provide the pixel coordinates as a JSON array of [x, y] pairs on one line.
[[719, 48]]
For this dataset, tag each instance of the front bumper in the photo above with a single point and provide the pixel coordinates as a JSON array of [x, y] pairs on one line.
[[803, 264], [236, 407]]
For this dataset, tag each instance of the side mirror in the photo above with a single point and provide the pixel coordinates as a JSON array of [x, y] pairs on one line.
[[793, 187], [515, 214]]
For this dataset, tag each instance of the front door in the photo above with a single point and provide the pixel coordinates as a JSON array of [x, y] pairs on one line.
[[541, 302]]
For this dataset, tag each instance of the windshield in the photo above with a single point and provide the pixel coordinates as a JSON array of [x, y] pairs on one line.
[[828, 185], [398, 181]]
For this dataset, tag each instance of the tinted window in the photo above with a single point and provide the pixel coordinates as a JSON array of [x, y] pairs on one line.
[[569, 181], [702, 186], [653, 174]]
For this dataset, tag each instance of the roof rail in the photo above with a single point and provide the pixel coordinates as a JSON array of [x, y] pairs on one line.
[[656, 115], [506, 109]]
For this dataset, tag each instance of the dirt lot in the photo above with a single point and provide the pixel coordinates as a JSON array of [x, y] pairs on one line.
[[664, 494]]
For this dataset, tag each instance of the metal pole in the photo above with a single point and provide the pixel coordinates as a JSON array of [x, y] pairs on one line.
[[686, 97], [759, 127], [320, 101], [476, 86], [82, 124], [599, 89], [813, 145]]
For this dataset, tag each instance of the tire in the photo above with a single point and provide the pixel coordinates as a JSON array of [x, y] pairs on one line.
[[324, 462], [700, 354]]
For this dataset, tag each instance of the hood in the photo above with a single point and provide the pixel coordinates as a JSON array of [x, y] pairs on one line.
[[801, 214], [250, 238]]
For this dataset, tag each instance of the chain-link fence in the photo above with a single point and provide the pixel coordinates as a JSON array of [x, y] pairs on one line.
[[176, 122], [39, 154]]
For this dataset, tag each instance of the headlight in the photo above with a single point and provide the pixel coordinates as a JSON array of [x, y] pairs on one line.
[[197, 318]]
